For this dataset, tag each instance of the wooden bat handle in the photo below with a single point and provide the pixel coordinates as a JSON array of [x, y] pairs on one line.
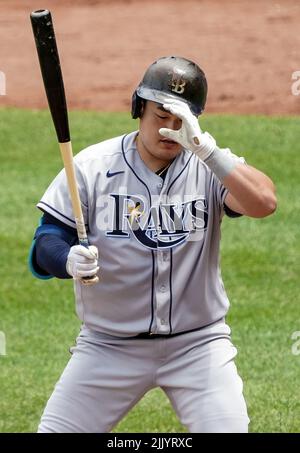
[[67, 157]]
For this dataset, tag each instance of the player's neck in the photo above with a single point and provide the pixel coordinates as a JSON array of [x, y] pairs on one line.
[[148, 158]]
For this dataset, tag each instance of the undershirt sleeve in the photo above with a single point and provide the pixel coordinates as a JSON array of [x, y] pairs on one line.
[[52, 251]]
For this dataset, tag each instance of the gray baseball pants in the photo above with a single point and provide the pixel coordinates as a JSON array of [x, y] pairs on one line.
[[106, 376]]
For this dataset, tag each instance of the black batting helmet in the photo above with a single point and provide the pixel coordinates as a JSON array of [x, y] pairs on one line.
[[176, 78]]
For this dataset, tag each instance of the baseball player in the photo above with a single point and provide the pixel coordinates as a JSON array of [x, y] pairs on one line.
[[153, 201]]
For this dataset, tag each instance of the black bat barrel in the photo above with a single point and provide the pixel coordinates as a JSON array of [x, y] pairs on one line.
[[44, 35]]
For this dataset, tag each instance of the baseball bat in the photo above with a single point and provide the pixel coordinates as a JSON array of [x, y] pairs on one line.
[[45, 41]]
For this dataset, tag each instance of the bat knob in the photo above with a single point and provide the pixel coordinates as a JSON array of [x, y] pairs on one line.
[[89, 280], [42, 26], [39, 14]]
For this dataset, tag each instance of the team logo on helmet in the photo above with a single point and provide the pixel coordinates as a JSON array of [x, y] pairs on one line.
[[178, 84]]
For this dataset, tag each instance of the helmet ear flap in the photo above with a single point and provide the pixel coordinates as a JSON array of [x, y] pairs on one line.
[[136, 106]]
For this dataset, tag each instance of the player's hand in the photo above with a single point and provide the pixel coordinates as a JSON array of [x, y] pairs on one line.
[[189, 135], [82, 261]]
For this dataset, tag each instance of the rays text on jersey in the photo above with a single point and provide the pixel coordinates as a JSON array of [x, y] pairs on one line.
[[161, 225]]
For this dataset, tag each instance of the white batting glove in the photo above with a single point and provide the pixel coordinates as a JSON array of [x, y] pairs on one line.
[[189, 135], [82, 261]]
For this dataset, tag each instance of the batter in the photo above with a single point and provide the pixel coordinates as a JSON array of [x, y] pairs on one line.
[[153, 201]]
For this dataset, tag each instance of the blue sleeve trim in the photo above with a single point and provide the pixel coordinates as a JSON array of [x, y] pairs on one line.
[[230, 213], [59, 213]]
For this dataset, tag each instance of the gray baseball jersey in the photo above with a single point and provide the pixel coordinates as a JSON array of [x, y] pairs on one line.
[[158, 240]]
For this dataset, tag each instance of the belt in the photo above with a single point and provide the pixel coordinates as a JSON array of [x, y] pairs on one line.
[[149, 335], [152, 335]]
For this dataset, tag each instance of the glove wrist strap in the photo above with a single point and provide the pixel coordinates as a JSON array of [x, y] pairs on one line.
[[221, 163]]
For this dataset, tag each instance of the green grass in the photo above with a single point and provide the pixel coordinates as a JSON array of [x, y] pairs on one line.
[[260, 267]]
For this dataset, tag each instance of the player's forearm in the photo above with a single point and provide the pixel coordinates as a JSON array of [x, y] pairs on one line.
[[251, 192], [51, 255]]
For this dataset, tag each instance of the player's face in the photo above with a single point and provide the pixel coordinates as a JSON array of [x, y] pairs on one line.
[[151, 145]]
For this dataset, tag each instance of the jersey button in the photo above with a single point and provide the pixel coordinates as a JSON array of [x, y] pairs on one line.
[[159, 185], [163, 288], [163, 322]]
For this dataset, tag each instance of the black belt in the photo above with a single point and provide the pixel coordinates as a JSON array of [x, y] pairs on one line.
[[150, 335]]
